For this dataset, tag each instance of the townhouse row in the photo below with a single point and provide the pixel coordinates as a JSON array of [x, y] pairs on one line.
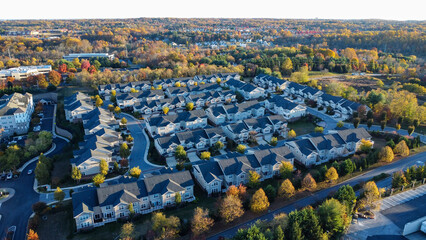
[[272, 84], [320, 149], [166, 83], [218, 175], [76, 106], [101, 140], [155, 105], [93, 207]]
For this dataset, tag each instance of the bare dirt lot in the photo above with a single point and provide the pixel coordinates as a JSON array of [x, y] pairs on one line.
[[360, 83]]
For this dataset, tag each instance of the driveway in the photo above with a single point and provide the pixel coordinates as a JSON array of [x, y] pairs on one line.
[[139, 154], [17, 210], [47, 120], [318, 196]]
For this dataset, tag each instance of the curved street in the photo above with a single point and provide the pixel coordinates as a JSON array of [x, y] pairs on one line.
[[317, 196], [17, 210], [139, 154]]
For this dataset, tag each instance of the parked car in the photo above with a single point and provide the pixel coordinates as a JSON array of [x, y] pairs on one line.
[[9, 176], [30, 171], [3, 177]]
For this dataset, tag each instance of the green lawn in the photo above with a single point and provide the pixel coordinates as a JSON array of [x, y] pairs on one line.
[[58, 224], [302, 127]]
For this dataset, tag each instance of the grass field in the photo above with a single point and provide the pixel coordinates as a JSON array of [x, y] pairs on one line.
[[302, 127]]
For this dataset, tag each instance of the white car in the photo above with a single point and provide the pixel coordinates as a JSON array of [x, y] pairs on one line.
[[30, 171], [9, 176]]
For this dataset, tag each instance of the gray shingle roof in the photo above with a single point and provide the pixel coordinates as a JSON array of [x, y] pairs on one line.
[[84, 201], [121, 193], [163, 183], [210, 171], [354, 135]]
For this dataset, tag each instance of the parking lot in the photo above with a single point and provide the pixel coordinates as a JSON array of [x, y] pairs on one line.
[[403, 197], [395, 212]]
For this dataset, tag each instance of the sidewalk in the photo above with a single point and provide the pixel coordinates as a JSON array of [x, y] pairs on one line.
[[11, 192]]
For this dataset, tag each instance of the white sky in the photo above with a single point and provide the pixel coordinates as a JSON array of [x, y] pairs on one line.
[[322, 9]]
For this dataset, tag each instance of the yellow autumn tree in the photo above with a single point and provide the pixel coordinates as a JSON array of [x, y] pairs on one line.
[[259, 202], [331, 174]]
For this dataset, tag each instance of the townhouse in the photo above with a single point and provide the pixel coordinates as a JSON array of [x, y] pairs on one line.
[[167, 124], [192, 140], [248, 90], [328, 100], [238, 132], [125, 100], [93, 207], [317, 150], [281, 106], [262, 127], [76, 110], [88, 160], [15, 113], [241, 111], [209, 176], [217, 114], [269, 83], [216, 176], [157, 106]]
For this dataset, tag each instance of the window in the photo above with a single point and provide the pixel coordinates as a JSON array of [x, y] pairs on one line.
[[108, 207], [168, 195]]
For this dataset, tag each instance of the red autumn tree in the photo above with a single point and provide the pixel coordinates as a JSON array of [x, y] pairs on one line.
[[85, 64], [63, 68]]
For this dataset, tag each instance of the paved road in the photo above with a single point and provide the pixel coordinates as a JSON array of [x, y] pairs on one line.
[[331, 124], [47, 120], [138, 157], [318, 196], [17, 210]]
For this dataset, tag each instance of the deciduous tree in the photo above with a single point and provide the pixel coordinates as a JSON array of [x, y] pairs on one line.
[[127, 231], [59, 195], [291, 134], [241, 148], [98, 179], [402, 149], [370, 196], [286, 169], [165, 227], [333, 217], [254, 179], [201, 222], [309, 183], [32, 235], [190, 106], [76, 174], [54, 78], [103, 167], [286, 189], [205, 155], [135, 172], [386, 154], [259, 201], [231, 208], [165, 110], [331, 174], [124, 150]]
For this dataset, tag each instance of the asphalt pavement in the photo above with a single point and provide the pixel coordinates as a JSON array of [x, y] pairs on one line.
[[138, 156], [17, 210], [319, 196], [47, 119]]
